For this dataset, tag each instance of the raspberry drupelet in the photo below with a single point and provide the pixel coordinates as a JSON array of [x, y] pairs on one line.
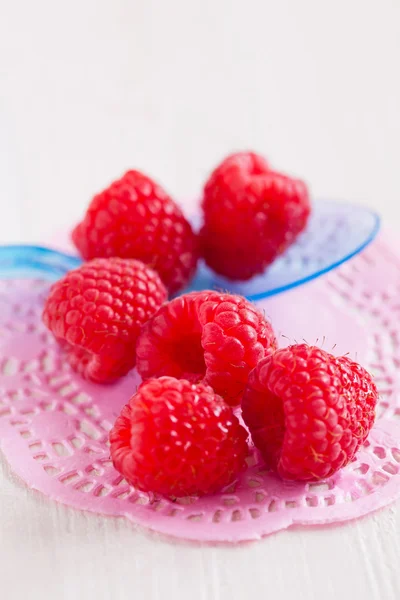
[[206, 336], [97, 312], [178, 438], [251, 214], [135, 218], [308, 412]]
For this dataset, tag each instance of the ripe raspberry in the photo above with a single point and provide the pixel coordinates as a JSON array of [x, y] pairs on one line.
[[205, 336], [308, 412], [98, 310], [251, 215], [177, 439], [135, 218]]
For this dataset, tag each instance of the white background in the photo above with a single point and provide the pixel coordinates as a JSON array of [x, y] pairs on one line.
[[90, 88]]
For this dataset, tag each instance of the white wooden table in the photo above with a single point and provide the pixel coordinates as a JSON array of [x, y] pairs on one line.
[[88, 89]]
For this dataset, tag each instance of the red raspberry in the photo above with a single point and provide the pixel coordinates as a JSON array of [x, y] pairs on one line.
[[177, 439], [135, 218], [205, 336], [251, 215], [308, 412], [98, 311]]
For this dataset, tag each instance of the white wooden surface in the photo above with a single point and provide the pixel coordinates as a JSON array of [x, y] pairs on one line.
[[91, 87]]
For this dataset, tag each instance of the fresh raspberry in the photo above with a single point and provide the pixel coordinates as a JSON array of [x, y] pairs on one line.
[[177, 438], [251, 215], [308, 412], [98, 310], [205, 336], [135, 218]]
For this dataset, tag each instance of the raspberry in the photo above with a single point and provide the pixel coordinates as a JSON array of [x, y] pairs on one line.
[[251, 215], [177, 438], [97, 311], [308, 412], [205, 336], [135, 218]]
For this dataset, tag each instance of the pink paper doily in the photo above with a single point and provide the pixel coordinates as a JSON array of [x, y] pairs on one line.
[[54, 426]]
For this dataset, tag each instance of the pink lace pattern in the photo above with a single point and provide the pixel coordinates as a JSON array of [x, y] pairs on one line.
[[54, 426]]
